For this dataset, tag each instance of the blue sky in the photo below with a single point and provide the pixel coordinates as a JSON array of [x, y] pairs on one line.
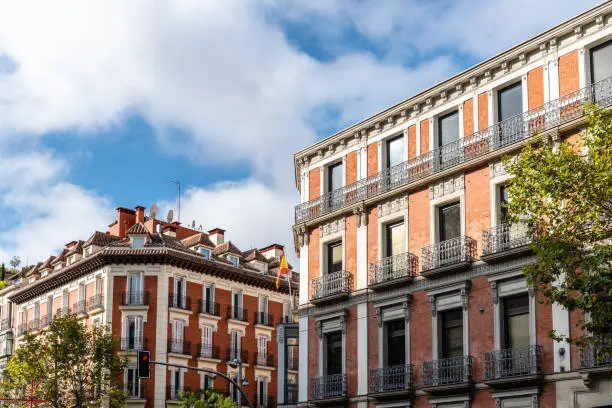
[[103, 109]]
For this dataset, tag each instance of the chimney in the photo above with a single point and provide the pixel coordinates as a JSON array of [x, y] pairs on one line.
[[272, 251], [169, 230], [140, 214], [217, 236], [125, 219]]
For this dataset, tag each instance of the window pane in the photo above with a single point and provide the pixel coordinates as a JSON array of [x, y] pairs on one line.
[[448, 128], [503, 202], [452, 334], [335, 177], [509, 101], [396, 344], [516, 310], [334, 254], [334, 353], [395, 239], [450, 222], [601, 62], [395, 151]]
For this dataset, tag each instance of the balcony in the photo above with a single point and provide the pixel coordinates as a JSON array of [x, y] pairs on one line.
[[333, 286], [208, 351], [237, 313], [135, 298], [447, 374], [264, 319], [452, 255], [209, 308], [179, 346], [390, 382], [33, 325], [596, 358], [78, 308], [22, 329], [505, 241], [45, 321], [132, 344], [513, 366], [95, 302], [393, 270], [232, 354], [291, 394], [329, 389], [491, 141], [264, 359], [179, 301], [135, 391]]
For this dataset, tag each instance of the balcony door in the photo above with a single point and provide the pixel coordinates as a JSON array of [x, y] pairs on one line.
[[334, 182], [334, 257], [395, 245], [448, 132], [134, 291], [516, 357], [396, 343], [449, 221], [452, 334], [394, 157], [509, 105], [601, 69], [333, 353]]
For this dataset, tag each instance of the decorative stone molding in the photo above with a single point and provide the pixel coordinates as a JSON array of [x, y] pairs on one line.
[[494, 292], [332, 227], [432, 303], [303, 235], [599, 21], [406, 307], [531, 290], [379, 316], [446, 187], [361, 216], [464, 299], [320, 329], [392, 206], [497, 169], [343, 323]]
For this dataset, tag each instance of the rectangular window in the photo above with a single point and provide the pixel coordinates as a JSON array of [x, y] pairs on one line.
[[98, 285], [235, 344], [516, 321], [138, 242], [133, 333], [49, 308], [448, 128], [233, 260], [209, 299], [395, 151], [237, 305], [449, 221], [396, 343], [132, 383], [205, 252], [503, 203], [452, 333], [334, 257], [177, 382], [134, 289], [262, 350], [509, 101], [180, 287], [601, 62], [333, 353], [263, 309], [395, 242], [207, 341], [334, 177], [262, 392], [207, 382]]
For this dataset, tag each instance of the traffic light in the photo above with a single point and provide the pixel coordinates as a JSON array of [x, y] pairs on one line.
[[144, 364]]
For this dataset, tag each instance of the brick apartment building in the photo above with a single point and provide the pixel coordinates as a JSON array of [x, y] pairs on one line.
[[189, 297], [411, 292]]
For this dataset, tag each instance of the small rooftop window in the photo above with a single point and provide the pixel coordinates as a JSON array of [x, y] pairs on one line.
[[205, 252], [233, 260], [138, 242]]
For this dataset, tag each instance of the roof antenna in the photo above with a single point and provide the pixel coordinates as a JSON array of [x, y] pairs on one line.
[[178, 183]]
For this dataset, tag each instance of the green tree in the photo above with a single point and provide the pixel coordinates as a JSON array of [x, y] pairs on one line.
[[210, 399], [15, 262], [2, 271], [564, 194], [70, 365]]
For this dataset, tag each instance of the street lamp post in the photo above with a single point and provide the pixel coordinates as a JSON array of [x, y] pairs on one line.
[[237, 362]]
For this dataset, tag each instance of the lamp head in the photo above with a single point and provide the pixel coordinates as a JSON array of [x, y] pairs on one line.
[[233, 363]]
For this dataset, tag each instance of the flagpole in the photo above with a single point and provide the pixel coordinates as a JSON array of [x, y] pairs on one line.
[[289, 282]]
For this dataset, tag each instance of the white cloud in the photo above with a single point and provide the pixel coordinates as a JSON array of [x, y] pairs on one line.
[[225, 74]]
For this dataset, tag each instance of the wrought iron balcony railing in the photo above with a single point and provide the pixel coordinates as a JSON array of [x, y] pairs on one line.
[[447, 371], [135, 390], [264, 319], [33, 325], [504, 237], [22, 329], [596, 356], [331, 285], [291, 394], [393, 268], [135, 298], [208, 351], [45, 321], [79, 307], [511, 363], [211, 308], [328, 386], [496, 137], [179, 346], [264, 359], [390, 379], [179, 301], [237, 313], [95, 302], [132, 343], [232, 354], [452, 251]]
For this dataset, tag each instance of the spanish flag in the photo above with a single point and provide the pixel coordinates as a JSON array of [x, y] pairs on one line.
[[283, 269]]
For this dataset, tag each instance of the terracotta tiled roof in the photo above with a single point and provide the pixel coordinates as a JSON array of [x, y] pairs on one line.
[[47, 262], [253, 254], [75, 249], [227, 248], [60, 258], [198, 239], [138, 229], [101, 239]]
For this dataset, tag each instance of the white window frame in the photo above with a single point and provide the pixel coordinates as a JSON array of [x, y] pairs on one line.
[[388, 311], [390, 219], [262, 349], [138, 329], [325, 174], [264, 381], [207, 339], [434, 211], [262, 306], [328, 324], [205, 252], [446, 299], [137, 242], [324, 242], [131, 393], [234, 260]]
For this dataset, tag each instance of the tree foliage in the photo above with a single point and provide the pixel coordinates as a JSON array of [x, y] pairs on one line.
[[564, 194], [207, 399], [15, 262], [70, 365]]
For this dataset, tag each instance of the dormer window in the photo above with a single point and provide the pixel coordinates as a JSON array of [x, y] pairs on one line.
[[205, 252], [44, 273], [138, 242], [89, 250], [58, 267], [233, 260]]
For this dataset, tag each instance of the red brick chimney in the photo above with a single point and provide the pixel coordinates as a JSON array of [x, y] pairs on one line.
[[140, 214], [217, 236], [125, 219]]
